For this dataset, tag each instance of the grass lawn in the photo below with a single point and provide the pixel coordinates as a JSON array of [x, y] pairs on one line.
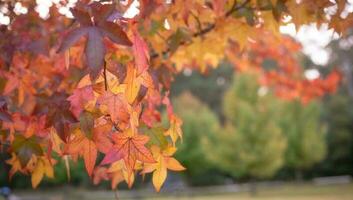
[[283, 192], [288, 192]]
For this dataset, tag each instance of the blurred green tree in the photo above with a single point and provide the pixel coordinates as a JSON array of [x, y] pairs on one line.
[[305, 135], [338, 114], [199, 123], [252, 143], [209, 87]]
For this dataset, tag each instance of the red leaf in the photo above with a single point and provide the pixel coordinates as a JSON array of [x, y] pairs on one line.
[[141, 54], [71, 38], [79, 99], [116, 106], [95, 51], [101, 135], [130, 149], [115, 33]]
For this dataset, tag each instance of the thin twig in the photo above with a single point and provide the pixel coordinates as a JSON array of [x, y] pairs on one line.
[[199, 25], [105, 76], [228, 13]]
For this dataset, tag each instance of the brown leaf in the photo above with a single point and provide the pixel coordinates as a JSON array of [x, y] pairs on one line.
[[81, 16]]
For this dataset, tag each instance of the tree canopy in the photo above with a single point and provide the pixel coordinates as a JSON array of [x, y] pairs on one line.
[[92, 82]]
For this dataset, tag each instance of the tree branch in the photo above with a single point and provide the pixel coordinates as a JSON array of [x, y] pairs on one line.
[[209, 28]]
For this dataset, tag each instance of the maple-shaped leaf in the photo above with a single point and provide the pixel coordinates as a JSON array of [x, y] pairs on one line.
[[174, 130], [119, 173], [164, 161], [130, 149], [157, 136], [81, 145], [26, 148], [96, 27], [15, 164], [57, 109], [115, 105], [43, 167], [101, 135]]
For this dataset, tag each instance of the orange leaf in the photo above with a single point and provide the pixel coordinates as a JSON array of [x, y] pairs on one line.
[[164, 161], [89, 155], [115, 105], [130, 149]]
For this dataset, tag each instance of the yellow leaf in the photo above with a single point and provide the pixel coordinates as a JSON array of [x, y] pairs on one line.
[[160, 174], [43, 167], [164, 161], [173, 164], [132, 83], [15, 165], [55, 140], [174, 130], [37, 174]]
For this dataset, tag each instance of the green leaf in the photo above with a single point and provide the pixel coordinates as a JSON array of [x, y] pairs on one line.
[[25, 148], [156, 135]]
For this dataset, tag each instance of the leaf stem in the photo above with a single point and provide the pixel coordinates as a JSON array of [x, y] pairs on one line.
[[116, 195]]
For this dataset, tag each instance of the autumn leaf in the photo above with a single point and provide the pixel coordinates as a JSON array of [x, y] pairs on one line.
[[87, 124], [95, 51], [81, 145], [43, 167], [26, 148], [119, 173], [115, 105], [157, 137], [115, 33], [89, 155], [72, 38], [130, 149], [95, 31], [132, 83], [174, 130], [99, 174], [141, 53], [101, 135], [164, 161], [80, 98], [15, 164]]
